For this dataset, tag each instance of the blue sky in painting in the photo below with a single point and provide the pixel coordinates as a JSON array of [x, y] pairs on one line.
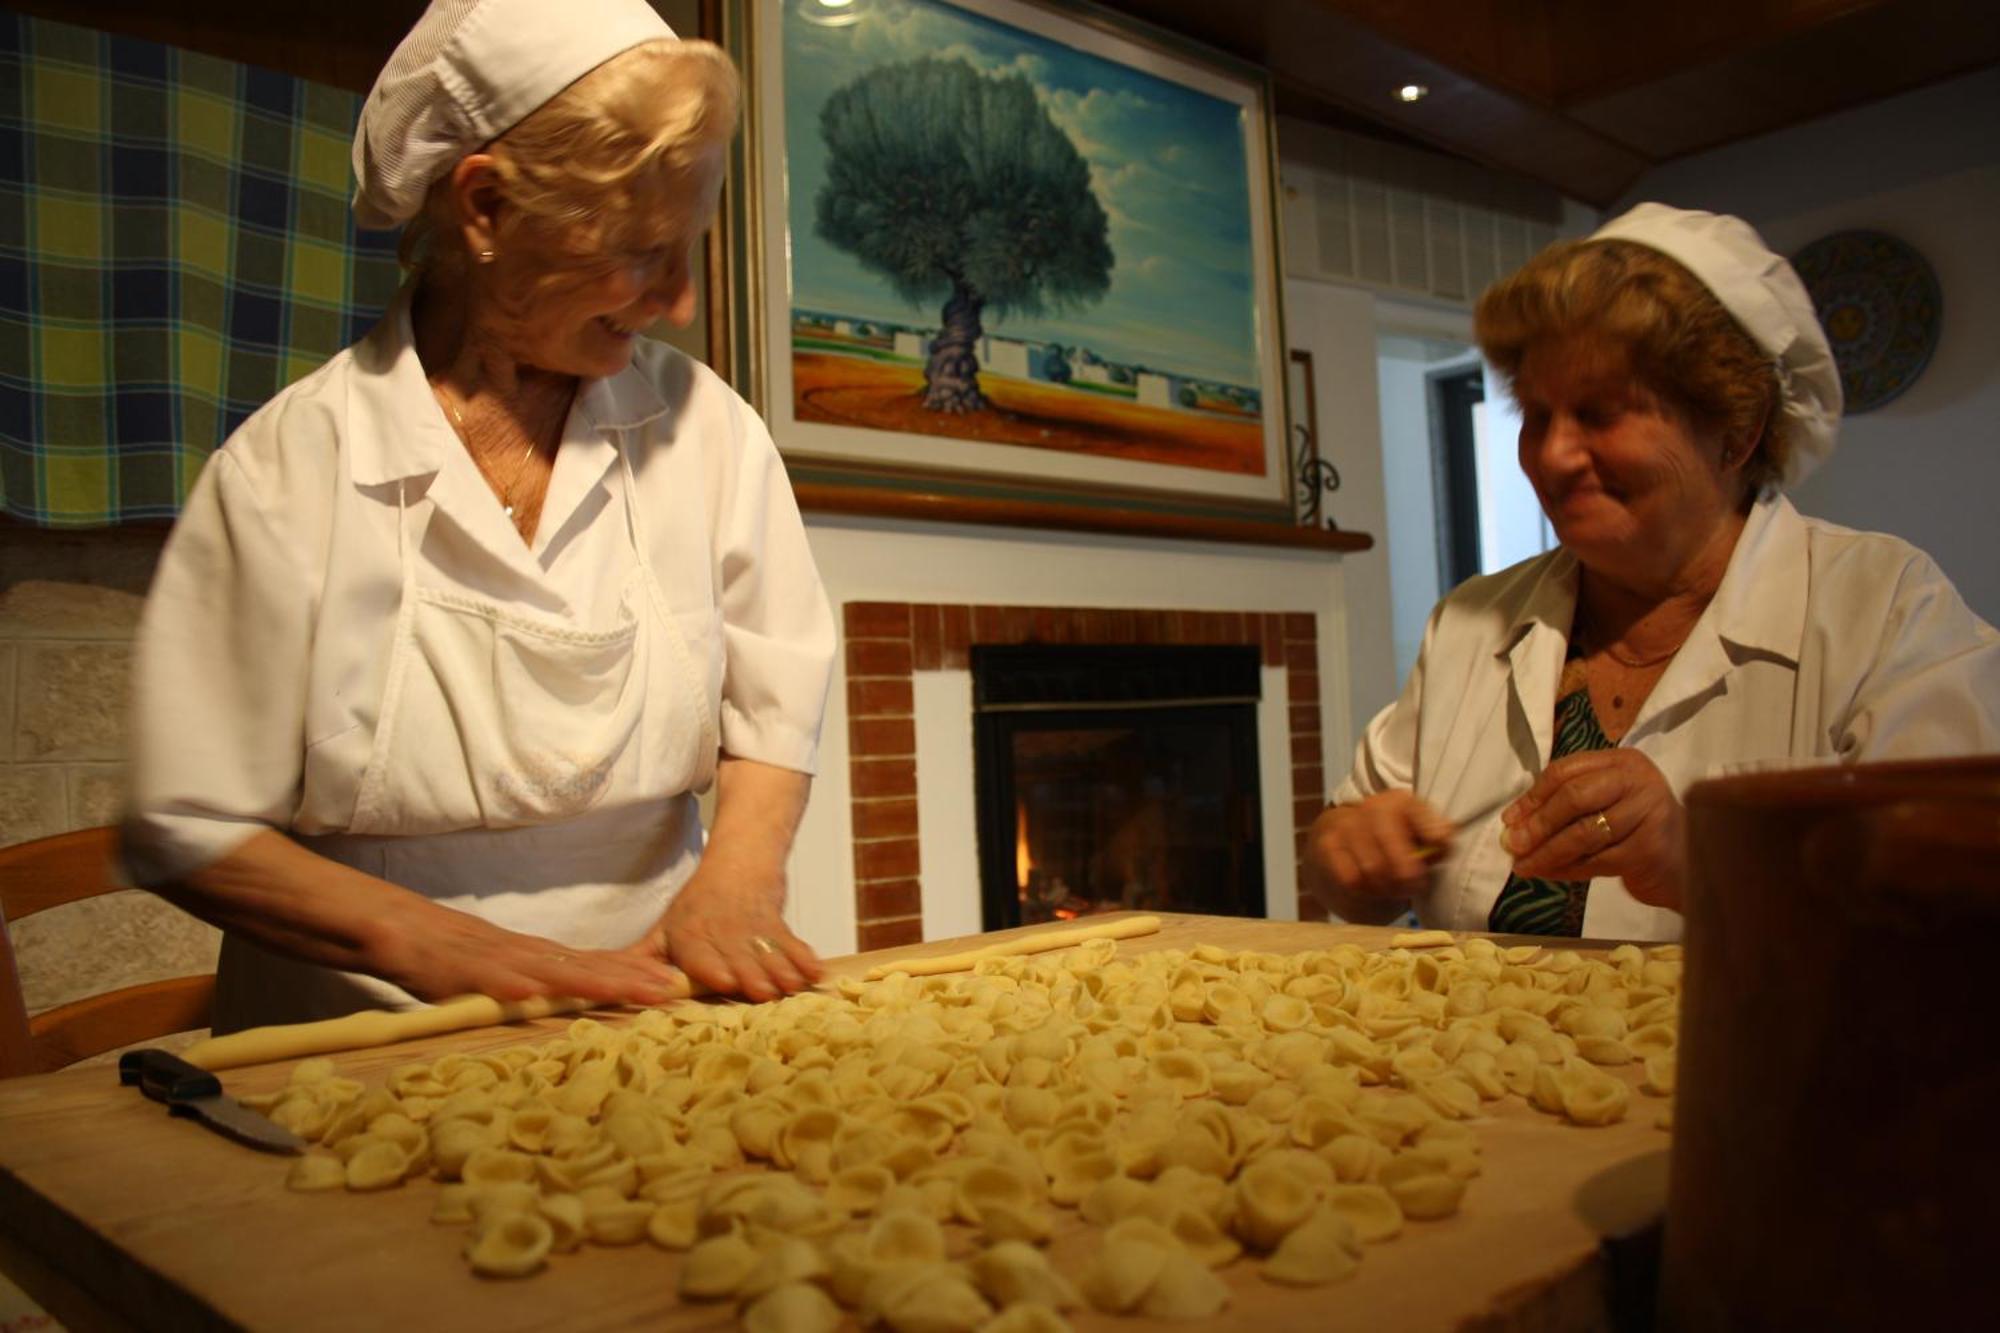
[[1168, 164]]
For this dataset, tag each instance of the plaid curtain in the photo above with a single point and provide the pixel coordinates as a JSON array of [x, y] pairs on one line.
[[175, 247]]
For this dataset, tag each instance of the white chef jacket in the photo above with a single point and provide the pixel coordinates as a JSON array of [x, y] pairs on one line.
[[265, 645], [1821, 645]]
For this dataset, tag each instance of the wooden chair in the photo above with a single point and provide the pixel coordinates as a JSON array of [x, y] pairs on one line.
[[49, 872]]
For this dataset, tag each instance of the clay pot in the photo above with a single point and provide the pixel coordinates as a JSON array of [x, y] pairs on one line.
[[1836, 1159]]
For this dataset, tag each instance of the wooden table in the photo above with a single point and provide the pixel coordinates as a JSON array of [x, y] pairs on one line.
[[115, 1215]]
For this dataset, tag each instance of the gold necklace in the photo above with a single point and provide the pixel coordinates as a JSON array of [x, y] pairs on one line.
[[1639, 663], [505, 494]]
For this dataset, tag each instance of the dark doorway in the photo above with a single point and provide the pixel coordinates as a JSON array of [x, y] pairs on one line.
[[1454, 395]]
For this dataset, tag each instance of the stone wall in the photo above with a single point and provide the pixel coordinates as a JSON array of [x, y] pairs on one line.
[[69, 603]]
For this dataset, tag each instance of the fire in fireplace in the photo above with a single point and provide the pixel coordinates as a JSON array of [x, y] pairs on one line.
[[1114, 777]]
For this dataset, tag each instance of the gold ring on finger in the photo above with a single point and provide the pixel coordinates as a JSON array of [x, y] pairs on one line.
[[762, 944], [560, 957], [1603, 826]]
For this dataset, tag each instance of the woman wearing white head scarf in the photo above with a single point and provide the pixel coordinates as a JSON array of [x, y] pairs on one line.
[[452, 629], [1671, 378]]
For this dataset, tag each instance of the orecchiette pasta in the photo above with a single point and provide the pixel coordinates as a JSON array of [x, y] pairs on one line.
[[902, 1147], [319, 1171], [795, 1307], [1322, 1249], [716, 1267], [515, 1246]]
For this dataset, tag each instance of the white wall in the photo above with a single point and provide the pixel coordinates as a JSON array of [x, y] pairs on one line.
[[865, 560], [1411, 529], [1339, 325], [1924, 167]]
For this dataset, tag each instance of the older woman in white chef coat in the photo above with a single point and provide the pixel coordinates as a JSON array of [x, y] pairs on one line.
[[451, 631], [1671, 378]]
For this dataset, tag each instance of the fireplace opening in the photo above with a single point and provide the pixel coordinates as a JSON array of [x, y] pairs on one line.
[[1115, 777]]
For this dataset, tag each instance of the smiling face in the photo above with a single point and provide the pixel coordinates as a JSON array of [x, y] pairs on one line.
[[1628, 484], [586, 309]]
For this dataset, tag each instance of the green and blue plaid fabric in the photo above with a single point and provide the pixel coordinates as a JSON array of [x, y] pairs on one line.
[[175, 247]]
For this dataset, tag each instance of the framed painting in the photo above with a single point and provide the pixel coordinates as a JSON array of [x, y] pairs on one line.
[[1006, 247]]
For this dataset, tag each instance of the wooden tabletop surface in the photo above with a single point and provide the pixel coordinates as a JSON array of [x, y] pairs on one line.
[[116, 1215]]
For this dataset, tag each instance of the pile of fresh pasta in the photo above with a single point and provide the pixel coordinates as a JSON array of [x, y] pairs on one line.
[[904, 1148]]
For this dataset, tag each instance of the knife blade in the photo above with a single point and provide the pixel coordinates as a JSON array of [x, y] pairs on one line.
[[189, 1091]]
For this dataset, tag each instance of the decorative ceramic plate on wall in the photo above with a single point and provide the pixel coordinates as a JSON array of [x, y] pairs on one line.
[[1880, 305]]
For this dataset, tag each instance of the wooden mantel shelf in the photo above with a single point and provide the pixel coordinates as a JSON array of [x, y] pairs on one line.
[[942, 507]]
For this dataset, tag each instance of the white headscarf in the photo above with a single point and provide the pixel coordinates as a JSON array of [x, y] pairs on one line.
[[1762, 291], [469, 71]]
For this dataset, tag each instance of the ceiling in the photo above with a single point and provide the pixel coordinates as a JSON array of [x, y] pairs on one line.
[[1586, 95], [1582, 95]]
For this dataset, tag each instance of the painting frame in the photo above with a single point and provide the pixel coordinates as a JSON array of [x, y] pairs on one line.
[[823, 453]]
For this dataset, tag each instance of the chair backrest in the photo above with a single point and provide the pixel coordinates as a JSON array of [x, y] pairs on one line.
[[48, 872]]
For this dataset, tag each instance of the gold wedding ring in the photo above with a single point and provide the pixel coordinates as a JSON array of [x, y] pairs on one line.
[[762, 945], [560, 957], [1603, 826]]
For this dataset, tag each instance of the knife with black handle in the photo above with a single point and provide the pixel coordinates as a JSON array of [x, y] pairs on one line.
[[189, 1091]]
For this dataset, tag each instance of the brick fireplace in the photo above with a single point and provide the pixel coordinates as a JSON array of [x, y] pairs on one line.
[[888, 643]]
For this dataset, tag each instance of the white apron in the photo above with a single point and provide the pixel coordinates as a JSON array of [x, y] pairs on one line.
[[531, 772]]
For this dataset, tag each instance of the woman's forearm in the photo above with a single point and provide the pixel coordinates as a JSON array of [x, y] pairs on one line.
[[278, 894], [757, 810]]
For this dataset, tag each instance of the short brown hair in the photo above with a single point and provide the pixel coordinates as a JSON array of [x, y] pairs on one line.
[[592, 170], [1685, 347]]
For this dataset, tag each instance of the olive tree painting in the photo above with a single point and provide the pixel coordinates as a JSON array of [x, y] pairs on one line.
[[1001, 242], [955, 184]]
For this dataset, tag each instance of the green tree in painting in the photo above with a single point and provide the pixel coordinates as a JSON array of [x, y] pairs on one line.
[[957, 186]]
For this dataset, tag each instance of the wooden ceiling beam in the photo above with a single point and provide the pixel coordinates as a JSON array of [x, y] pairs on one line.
[[1869, 52], [1599, 49]]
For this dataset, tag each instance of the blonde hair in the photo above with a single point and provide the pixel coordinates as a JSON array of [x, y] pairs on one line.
[[599, 170], [1684, 346]]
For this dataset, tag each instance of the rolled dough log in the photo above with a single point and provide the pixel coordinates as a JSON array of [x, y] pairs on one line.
[[374, 1027], [1123, 929]]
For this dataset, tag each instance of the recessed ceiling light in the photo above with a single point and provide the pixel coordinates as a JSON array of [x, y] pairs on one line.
[[1412, 92], [831, 13]]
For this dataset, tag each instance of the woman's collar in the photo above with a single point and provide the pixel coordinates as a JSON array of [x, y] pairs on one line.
[[1761, 605], [622, 401], [397, 429]]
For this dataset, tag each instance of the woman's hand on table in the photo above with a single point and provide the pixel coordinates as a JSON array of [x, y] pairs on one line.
[[437, 953], [1364, 861], [726, 929], [1605, 812]]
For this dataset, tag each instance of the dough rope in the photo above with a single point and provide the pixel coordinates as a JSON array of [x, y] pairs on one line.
[[374, 1028], [368, 1029], [1124, 929]]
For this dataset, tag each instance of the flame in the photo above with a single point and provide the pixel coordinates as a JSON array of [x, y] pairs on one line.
[[1023, 863]]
